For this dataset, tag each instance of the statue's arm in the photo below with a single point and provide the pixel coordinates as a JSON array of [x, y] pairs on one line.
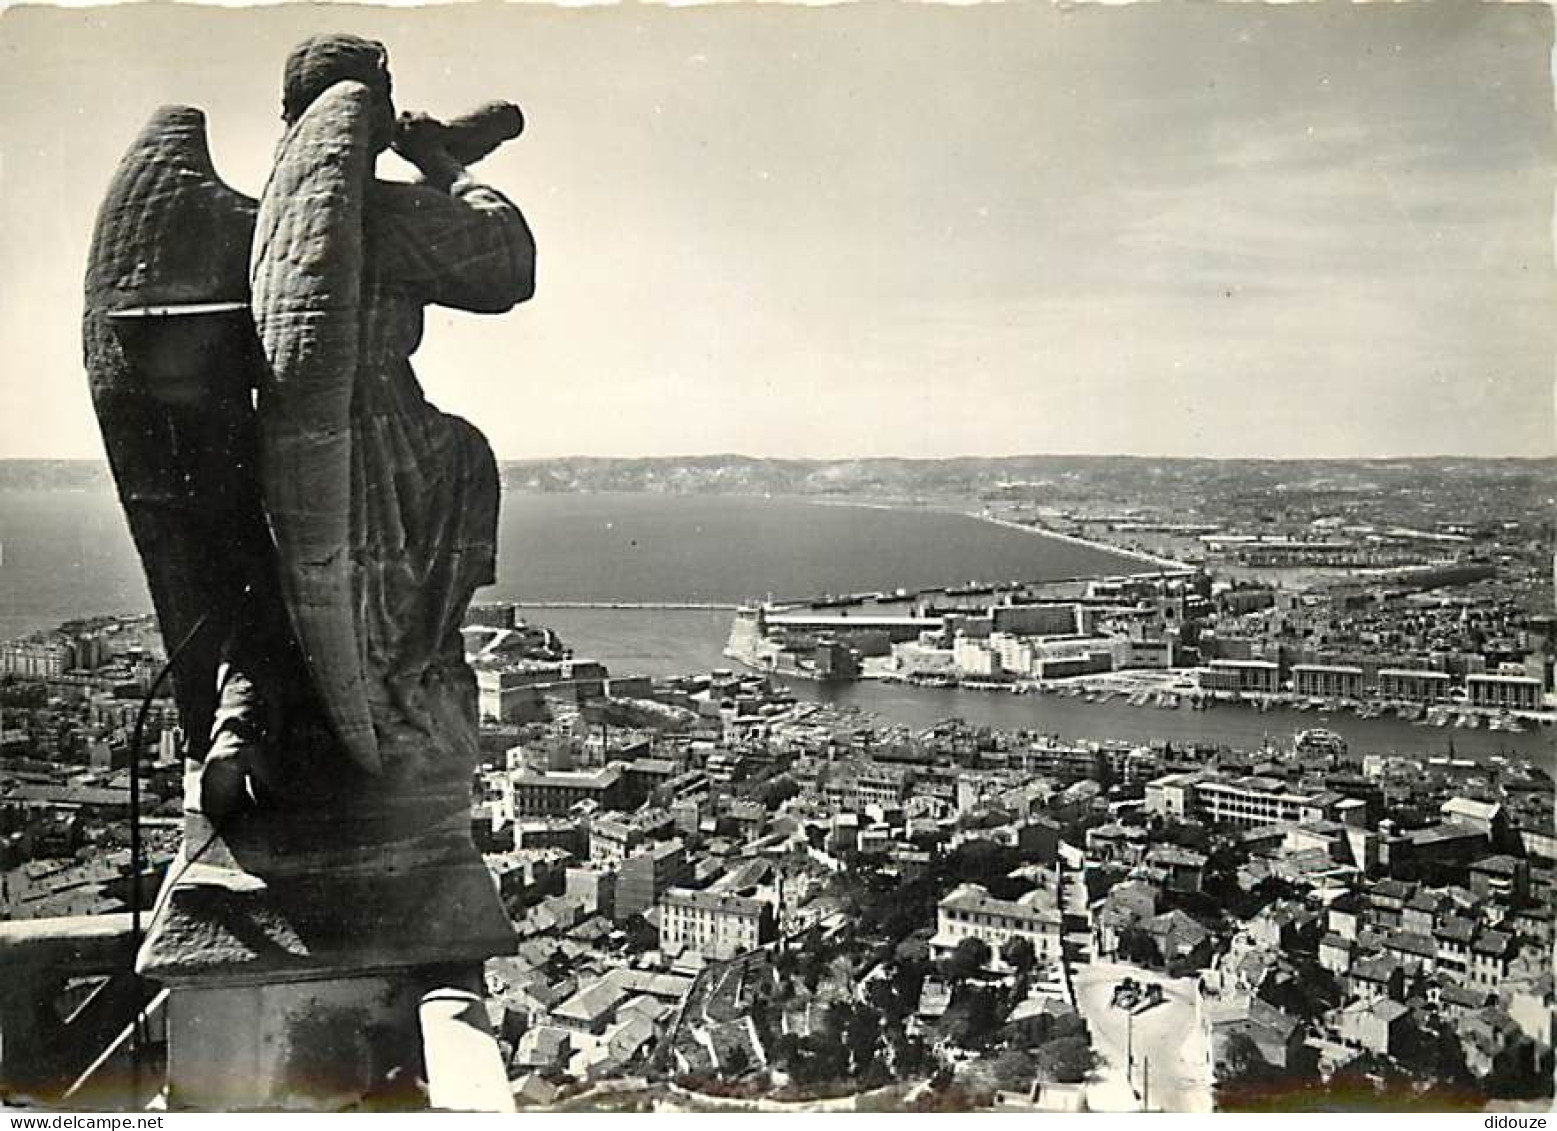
[[466, 246]]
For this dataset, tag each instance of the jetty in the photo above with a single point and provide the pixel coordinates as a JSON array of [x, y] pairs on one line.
[[699, 606]]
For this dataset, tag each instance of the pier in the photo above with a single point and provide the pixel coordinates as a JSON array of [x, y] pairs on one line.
[[700, 606]]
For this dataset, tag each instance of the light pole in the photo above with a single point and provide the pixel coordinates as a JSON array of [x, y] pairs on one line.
[[1129, 1041]]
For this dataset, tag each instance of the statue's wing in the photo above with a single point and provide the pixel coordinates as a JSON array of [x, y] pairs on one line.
[[306, 276], [171, 357]]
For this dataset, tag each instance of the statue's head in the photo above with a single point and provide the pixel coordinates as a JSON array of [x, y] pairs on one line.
[[319, 63]]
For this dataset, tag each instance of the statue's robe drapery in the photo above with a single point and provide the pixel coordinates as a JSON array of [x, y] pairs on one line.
[[424, 483]]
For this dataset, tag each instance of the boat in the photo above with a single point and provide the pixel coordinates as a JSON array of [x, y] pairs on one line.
[[1507, 723]]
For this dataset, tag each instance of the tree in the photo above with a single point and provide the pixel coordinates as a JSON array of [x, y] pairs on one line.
[[860, 1036], [640, 935], [776, 791], [1069, 1025], [1013, 1069], [1135, 945], [1018, 954], [825, 1058], [736, 1061], [1065, 1060], [910, 1055], [883, 994], [972, 1019], [786, 1052], [1242, 1060], [971, 956]]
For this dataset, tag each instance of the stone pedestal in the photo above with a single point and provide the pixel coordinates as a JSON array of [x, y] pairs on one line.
[[325, 1044], [298, 947]]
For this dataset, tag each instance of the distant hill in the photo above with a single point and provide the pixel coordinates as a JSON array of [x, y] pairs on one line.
[[54, 474], [1028, 475]]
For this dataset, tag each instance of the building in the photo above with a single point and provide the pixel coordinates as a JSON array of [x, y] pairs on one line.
[[1413, 686], [1327, 681], [1114, 843], [1158, 653], [976, 658], [36, 659], [715, 924], [1042, 620], [969, 911], [571, 834], [853, 786], [1376, 977], [1486, 817], [1491, 955], [1500, 877], [592, 888], [1508, 692], [834, 659], [1375, 1025], [1181, 869], [591, 1009], [1247, 801], [1050, 758], [543, 793], [512, 692], [1172, 795], [1453, 939], [1277, 1036], [1262, 677], [645, 875], [1181, 942], [613, 838]]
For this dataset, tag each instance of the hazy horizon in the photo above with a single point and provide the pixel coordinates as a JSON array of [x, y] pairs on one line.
[[954, 458], [892, 230]]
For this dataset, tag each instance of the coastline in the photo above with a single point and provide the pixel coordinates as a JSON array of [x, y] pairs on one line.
[[1166, 565], [950, 506]]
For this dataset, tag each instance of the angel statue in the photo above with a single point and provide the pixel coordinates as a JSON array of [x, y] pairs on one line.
[[311, 528]]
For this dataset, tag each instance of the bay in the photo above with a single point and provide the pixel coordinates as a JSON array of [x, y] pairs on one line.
[[66, 554]]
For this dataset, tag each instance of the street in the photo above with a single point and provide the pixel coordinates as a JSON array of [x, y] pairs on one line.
[[1169, 1049]]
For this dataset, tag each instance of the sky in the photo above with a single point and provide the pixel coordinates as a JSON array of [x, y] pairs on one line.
[[1298, 230]]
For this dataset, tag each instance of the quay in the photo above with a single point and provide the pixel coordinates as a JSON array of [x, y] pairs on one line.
[[707, 606], [1167, 566]]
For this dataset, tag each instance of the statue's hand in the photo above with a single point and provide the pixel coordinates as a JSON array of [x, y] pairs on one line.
[[422, 140], [419, 137]]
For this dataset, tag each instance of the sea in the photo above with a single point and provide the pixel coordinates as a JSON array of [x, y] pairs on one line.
[[67, 553]]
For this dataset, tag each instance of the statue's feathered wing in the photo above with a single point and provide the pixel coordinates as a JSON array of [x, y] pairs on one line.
[[306, 280], [195, 298], [171, 358]]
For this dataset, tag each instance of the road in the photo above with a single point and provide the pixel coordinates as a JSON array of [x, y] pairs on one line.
[[1166, 1038]]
